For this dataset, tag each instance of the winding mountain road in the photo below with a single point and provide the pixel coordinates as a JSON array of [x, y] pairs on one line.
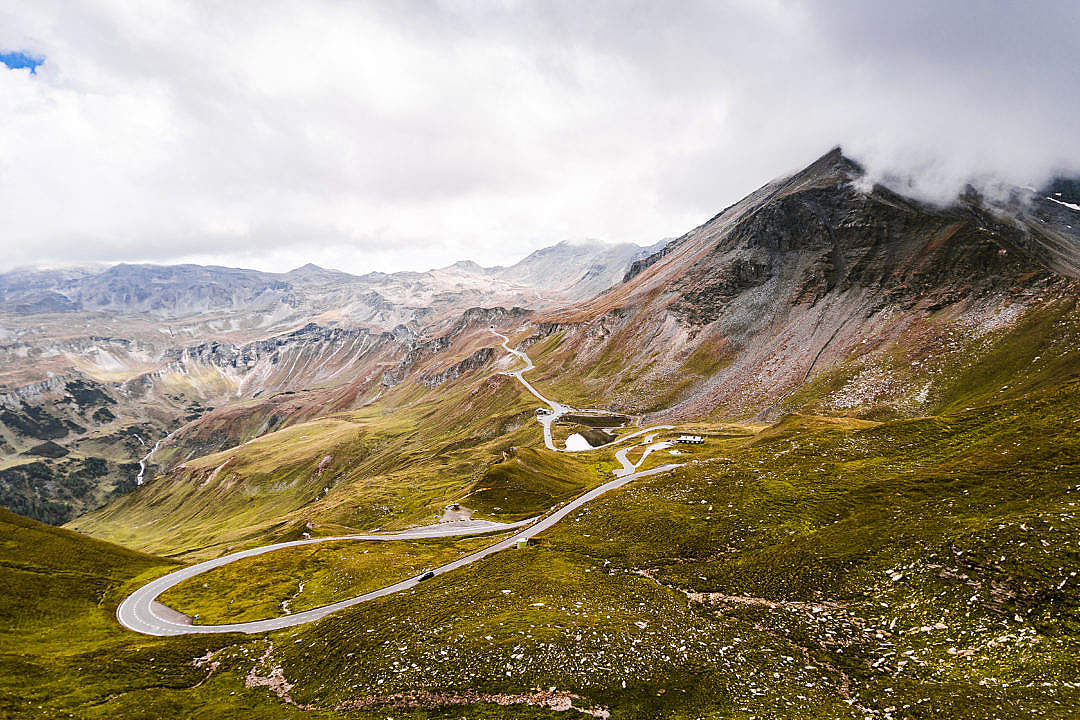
[[142, 613], [557, 408], [650, 447]]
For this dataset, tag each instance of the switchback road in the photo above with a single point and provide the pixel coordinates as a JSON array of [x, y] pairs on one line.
[[141, 612]]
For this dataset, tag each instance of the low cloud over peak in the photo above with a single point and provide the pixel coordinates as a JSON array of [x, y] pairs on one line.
[[271, 134]]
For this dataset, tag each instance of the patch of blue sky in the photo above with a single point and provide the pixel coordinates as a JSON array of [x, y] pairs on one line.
[[15, 60]]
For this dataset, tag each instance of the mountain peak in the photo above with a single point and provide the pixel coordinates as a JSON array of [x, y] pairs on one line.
[[467, 266], [311, 271], [832, 167]]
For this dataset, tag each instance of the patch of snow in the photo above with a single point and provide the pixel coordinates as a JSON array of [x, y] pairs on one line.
[[577, 443], [1069, 205]]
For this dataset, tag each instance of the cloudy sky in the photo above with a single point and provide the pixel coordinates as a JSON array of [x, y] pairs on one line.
[[408, 135]]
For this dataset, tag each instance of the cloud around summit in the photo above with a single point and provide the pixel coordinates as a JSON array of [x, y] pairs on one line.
[[410, 135]]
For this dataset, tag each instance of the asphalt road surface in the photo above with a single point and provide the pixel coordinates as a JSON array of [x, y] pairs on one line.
[[138, 611]]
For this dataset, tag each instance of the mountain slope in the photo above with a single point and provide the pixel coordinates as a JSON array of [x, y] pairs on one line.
[[814, 294], [813, 274], [62, 653], [576, 271]]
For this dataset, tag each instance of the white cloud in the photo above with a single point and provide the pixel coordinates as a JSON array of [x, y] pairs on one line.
[[269, 134]]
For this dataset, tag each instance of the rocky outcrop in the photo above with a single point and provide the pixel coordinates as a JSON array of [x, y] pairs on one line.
[[649, 260], [821, 232], [14, 399], [477, 360]]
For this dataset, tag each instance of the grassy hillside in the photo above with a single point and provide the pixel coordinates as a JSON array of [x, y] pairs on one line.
[[301, 578], [851, 560], [62, 653], [531, 480], [392, 464], [914, 568], [911, 569]]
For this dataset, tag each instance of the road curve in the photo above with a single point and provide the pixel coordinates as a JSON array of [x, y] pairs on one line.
[[629, 467], [137, 612], [141, 612], [557, 408]]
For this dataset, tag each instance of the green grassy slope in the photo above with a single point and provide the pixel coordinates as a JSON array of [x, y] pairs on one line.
[[310, 576], [874, 563], [62, 653], [531, 480], [389, 465], [917, 568], [913, 569]]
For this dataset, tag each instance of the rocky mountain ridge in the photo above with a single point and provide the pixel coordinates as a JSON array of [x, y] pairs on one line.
[[261, 386], [807, 274], [567, 271]]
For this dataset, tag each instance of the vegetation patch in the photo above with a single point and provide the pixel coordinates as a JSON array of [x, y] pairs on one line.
[[596, 421], [296, 579], [530, 481]]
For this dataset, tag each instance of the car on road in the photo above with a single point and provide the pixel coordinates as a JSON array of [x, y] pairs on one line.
[[426, 576]]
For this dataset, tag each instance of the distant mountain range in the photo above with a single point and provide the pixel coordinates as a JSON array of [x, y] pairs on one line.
[[569, 272]]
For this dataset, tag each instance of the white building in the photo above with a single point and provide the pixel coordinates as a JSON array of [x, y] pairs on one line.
[[691, 439]]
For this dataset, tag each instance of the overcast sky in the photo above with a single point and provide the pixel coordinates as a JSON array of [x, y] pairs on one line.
[[269, 134]]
